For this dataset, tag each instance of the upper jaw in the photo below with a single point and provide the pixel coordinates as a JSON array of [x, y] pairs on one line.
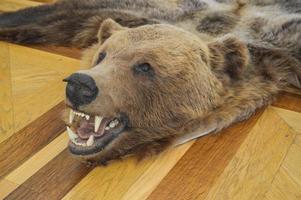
[[89, 134]]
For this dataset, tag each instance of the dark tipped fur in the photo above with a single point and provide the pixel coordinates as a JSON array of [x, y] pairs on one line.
[[217, 23]]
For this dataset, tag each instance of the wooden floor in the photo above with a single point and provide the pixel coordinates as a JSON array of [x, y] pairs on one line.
[[257, 159]]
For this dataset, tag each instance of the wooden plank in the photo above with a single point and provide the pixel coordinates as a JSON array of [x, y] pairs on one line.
[[293, 119], [38, 160], [44, 1], [25, 110], [6, 187], [52, 181], [127, 179], [6, 106], [298, 140], [202, 164], [11, 5], [287, 182], [41, 59], [252, 170], [23, 144], [32, 78], [284, 187], [292, 164], [288, 101]]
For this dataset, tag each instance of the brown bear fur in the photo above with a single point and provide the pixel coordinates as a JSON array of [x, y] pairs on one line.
[[214, 63]]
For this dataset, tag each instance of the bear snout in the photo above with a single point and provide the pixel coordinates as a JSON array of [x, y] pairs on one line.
[[81, 89]]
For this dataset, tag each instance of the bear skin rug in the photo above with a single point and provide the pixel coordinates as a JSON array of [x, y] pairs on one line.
[[158, 73]]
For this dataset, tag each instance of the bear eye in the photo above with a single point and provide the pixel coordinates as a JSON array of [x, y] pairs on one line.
[[101, 56], [144, 69]]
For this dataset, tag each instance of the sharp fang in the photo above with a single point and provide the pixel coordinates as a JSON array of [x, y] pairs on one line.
[[97, 123], [116, 122], [71, 134], [107, 128], [90, 140], [112, 125], [71, 116], [87, 117]]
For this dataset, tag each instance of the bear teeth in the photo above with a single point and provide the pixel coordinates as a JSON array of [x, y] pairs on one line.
[[73, 113], [90, 141], [71, 134], [97, 123]]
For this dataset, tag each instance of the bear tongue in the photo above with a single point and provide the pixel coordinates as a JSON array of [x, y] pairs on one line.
[[86, 128]]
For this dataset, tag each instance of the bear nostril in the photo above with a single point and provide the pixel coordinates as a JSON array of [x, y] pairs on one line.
[[81, 89]]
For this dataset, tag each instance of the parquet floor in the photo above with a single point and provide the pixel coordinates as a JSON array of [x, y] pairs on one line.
[[256, 159]]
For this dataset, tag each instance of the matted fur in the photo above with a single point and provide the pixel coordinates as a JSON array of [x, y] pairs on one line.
[[215, 62]]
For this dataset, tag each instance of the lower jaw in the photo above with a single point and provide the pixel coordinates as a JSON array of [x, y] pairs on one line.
[[99, 144]]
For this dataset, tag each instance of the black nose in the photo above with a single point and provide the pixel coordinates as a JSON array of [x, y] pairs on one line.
[[81, 89]]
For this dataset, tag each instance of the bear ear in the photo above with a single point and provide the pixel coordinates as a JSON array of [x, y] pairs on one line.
[[107, 28]]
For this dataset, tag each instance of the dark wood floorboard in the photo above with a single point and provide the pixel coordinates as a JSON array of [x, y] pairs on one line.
[[195, 173], [26, 142], [54, 180], [288, 101]]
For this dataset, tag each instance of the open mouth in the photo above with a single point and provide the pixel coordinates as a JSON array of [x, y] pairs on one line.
[[89, 134]]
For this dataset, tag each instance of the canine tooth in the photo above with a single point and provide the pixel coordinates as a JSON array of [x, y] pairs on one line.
[[87, 117], [113, 123], [71, 134], [97, 123], [71, 116], [90, 140], [107, 128]]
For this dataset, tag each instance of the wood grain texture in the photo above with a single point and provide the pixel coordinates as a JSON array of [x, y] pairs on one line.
[[287, 182], [6, 187], [293, 119], [38, 160], [127, 179], [252, 170], [298, 140], [30, 91], [44, 1], [23, 144], [149, 180], [202, 164], [52, 181], [11, 5], [288, 101], [6, 101], [284, 187]]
